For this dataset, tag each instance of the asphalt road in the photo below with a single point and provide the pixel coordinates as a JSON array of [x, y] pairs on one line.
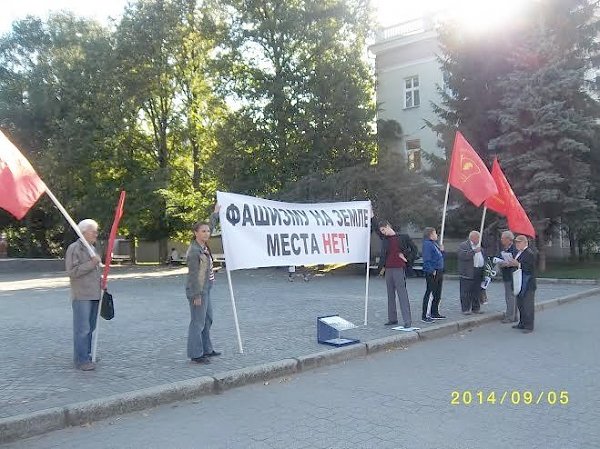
[[545, 389]]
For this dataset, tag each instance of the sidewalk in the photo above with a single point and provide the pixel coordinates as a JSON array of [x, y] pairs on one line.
[[145, 345]]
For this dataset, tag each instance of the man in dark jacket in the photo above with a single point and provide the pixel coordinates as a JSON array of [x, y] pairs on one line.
[[525, 260], [397, 253], [433, 267], [470, 271]]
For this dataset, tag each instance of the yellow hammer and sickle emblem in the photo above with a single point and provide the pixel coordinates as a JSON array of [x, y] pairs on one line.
[[468, 168]]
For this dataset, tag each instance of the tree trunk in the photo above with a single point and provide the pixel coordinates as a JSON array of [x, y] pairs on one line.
[[196, 163], [572, 246], [132, 245], [163, 249], [541, 251]]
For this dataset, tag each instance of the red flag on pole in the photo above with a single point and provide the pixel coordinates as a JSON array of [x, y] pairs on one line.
[[20, 185], [469, 174], [506, 203], [111, 238]]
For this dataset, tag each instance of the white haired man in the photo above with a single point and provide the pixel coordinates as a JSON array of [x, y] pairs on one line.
[[84, 275]]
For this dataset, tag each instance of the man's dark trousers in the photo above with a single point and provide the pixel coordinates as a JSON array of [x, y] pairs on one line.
[[525, 303], [470, 292], [434, 288]]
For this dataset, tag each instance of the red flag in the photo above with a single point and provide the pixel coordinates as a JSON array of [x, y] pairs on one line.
[[507, 204], [111, 238], [20, 185], [469, 174]]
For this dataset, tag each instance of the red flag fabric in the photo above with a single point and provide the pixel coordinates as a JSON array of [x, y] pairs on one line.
[[111, 238], [469, 174], [507, 204], [20, 185]]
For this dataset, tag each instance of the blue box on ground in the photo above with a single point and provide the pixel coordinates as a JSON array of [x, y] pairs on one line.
[[329, 330]]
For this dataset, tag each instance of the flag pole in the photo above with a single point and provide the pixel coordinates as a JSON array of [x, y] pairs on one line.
[[367, 275], [108, 260], [71, 222], [444, 214], [482, 224], [235, 317]]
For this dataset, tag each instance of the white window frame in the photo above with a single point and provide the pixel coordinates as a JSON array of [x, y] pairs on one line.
[[409, 91], [413, 147]]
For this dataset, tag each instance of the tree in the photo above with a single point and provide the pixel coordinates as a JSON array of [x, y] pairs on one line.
[[163, 47], [57, 105], [388, 183], [519, 93], [303, 92], [548, 119]]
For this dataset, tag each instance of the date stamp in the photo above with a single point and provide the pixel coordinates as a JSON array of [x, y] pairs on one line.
[[509, 397]]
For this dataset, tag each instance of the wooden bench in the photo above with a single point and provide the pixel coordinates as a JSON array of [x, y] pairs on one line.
[[219, 259], [120, 258]]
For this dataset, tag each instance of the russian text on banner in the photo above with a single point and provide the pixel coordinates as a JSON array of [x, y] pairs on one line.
[[265, 233]]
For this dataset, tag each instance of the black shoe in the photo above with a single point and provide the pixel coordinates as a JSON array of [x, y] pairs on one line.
[[212, 354], [391, 323], [201, 360], [438, 317], [427, 319], [518, 326]]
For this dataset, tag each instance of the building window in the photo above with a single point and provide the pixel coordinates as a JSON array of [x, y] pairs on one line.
[[413, 152], [411, 92]]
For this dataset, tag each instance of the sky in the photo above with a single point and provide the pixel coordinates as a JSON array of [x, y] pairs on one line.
[[392, 11], [389, 12]]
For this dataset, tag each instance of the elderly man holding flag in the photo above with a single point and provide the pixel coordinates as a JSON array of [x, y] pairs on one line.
[[20, 188], [84, 276]]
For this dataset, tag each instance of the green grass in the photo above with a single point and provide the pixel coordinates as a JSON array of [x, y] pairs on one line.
[[559, 269], [572, 270]]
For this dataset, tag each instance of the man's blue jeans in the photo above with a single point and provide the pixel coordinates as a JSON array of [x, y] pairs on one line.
[[85, 313]]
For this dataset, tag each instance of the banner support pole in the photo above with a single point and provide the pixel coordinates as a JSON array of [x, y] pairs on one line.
[[235, 317], [368, 274]]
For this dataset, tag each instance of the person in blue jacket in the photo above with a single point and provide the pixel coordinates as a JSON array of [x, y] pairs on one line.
[[433, 267]]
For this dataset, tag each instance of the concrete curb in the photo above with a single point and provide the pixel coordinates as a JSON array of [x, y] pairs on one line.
[[337, 355], [252, 374], [36, 423]]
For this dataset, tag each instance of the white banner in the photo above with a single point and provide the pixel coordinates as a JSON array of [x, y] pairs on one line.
[[264, 233]]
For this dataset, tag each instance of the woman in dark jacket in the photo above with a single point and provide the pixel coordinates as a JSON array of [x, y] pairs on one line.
[[433, 267], [199, 283]]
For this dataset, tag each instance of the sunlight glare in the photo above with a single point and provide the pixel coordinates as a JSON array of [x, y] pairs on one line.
[[476, 15]]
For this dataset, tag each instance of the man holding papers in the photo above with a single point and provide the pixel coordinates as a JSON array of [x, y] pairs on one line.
[[525, 260]]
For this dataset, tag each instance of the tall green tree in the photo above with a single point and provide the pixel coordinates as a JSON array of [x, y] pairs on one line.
[[56, 103], [548, 119], [519, 93], [164, 48], [303, 92]]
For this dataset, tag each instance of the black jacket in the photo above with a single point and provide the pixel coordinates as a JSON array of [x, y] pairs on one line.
[[527, 260], [407, 246], [508, 271]]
